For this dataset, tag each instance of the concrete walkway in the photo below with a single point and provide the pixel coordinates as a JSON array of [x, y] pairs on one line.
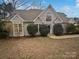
[[64, 36]]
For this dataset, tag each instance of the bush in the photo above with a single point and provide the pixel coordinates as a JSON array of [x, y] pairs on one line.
[[70, 28], [3, 32], [77, 29], [58, 29], [32, 29], [44, 30]]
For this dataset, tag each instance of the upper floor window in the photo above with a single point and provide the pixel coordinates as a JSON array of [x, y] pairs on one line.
[[48, 18]]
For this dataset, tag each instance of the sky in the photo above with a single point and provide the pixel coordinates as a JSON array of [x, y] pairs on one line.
[[69, 7]]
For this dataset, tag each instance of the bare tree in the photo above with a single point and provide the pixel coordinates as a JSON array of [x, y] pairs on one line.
[[17, 3]]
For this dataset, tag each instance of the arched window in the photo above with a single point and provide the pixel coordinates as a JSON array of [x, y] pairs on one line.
[[48, 18]]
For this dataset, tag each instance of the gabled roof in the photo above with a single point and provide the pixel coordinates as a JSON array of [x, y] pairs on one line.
[[28, 15], [63, 17], [59, 15], [49, 6]]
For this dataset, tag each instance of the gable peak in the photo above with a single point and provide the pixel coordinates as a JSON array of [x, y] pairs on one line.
[[49, 6]]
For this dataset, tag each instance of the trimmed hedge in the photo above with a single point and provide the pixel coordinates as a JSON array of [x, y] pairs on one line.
[[32, 29], [44, 30], [58, 29]]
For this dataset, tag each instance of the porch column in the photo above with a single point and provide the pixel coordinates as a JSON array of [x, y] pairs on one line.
[[51, 28], [22, 29], [38, 30], [13, 30], [64, 28]]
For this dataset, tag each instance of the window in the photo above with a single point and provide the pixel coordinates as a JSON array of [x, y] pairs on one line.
[[48, 18], [16, 27], [20, 27]]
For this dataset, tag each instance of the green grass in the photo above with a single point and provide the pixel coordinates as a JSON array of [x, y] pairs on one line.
[[39, 48]]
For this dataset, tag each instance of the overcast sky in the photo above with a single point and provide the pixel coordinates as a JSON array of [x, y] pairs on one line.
[[69, 7]]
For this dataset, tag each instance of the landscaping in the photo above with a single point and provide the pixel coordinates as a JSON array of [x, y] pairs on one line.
[[58, 29], [32, 29], [44, 30], [4, 33], [72, 29]]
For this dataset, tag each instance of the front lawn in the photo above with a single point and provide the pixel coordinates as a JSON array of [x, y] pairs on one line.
[[39, 48]]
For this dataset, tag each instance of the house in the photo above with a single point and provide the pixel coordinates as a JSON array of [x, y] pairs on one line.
[[76, 19], [72, 21], [17, 23]]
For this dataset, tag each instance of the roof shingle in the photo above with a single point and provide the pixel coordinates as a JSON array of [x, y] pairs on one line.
[[28, 15]]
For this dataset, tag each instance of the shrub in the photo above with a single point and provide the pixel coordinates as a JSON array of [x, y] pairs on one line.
[[70, 28], [3, 32], [32, 29], [77, 29], [44, 30], [58, 29]]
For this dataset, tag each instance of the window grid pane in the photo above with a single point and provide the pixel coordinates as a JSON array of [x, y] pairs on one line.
[[20, 27], [16, 27], [48, 18]]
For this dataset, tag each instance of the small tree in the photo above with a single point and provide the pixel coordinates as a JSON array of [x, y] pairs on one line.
[[44, 30], [32, 29], [58, 29], [70, 28]]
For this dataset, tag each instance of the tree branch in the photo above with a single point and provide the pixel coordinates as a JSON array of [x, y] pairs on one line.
[[22, 4]]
